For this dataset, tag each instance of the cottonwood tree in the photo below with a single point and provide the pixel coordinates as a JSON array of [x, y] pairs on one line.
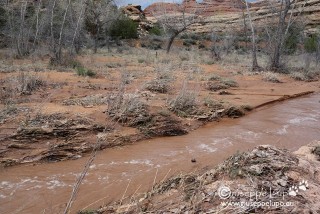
[[311, 48], [216, 47], [255, 65], [59, 25], [280, 33], [283, 15], [78, 27], [19, 26], [176, 21], [99, 15], [318, 50]]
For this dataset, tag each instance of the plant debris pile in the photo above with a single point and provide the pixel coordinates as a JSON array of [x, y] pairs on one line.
[[252, 178]]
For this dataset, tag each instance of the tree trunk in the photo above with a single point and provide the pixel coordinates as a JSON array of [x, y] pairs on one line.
[[108, 43], [318, 51], [96, 40], [59, 48], [255, 65], [245, 28], [20, 42], [170, 41], [37, 26], [75, 43], [53, 43], [173, 36], [275, 60], [95, 46]]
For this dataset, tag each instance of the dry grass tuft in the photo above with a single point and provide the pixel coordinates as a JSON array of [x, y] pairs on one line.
[[128, 109], [22, 84], [271, 77], [185, 103], [158, 85]]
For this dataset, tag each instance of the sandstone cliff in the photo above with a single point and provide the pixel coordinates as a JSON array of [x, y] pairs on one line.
[[220, 15]]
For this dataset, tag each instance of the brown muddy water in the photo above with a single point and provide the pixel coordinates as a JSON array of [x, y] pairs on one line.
[[46, 188]]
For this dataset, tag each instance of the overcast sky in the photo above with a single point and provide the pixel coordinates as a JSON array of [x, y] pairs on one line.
[[143, 3]]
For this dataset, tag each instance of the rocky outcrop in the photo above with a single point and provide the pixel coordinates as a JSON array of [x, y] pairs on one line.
[[205, 8], [135, 13]]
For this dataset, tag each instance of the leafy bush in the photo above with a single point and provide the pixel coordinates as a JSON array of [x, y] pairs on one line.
[[310, 44], [141, 60], [292, 40], [82, 71], [151, 46], [124, 29], [201, 46], [3, 18], [189, 42], [192, 36], [156, 30]]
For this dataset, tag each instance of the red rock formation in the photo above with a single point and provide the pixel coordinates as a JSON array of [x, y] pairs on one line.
[[227, 14], [206, 7], [134, 12], [159, 7]]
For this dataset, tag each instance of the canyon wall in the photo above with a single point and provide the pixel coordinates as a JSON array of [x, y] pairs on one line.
[[222, 15]]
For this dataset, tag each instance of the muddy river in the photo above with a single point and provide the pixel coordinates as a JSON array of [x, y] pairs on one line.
[[46, 188]]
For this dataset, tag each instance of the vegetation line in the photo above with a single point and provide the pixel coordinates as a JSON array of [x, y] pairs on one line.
[[285, 97]]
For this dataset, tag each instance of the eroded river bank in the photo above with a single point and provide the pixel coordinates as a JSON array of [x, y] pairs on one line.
[[46, 188]]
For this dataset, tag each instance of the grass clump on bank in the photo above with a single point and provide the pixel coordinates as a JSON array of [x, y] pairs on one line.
[[184, 104], [158, 85], [216, 83], [84, 72], [271, 77]]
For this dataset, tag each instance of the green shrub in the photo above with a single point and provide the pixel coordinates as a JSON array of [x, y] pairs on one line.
[[213, 77], [229, 82], [292, 40], [141, 60], [3, 18], [151, 42], [201, 46], [189, 42], [195, 36], [124, 29], [82, 71], [156, 30], [310, 44]]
